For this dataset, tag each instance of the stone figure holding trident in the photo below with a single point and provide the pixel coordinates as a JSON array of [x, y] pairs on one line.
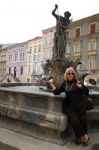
[[60, 34]]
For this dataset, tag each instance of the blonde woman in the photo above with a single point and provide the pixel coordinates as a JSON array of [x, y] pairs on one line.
[[76, 109]]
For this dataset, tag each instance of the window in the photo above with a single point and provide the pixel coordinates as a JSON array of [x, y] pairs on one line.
[[92, 28], [39, 48], [50, 53], [35, 49], [67, 49], [30, 49], [34, 58], [92, 63], [9, 70], [10, 58], [92, 45], [22, 56], [39, 57], [47, 40], [29, 69], [21, 70], [34, 69], [77, 32], [15, 71], [77, 47], [16, 56], [30, 59], [51, 39]]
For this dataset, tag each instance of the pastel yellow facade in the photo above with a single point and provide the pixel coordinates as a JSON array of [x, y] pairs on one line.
[[35, 58]]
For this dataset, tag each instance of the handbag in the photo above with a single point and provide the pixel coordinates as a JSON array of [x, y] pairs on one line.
[[89, 102]]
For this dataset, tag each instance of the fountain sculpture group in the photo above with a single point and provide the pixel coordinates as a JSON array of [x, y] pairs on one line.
[[57, 65]]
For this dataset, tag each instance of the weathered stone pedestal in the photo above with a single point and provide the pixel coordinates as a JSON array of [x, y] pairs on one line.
[[35, 113]]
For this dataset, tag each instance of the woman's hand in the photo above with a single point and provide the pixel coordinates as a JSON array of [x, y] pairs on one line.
[[52, 84], [78, 84], [50, 81]]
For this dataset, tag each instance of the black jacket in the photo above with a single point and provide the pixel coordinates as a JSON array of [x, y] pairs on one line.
[[73, 93]]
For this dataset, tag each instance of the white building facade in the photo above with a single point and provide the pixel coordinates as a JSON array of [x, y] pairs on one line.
[[17, 61]]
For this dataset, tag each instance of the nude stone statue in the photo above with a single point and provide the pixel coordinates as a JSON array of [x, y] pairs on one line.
[[60, 34]]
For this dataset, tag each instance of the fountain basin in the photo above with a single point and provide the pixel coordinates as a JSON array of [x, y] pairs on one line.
[[34, 112], [38, 113]]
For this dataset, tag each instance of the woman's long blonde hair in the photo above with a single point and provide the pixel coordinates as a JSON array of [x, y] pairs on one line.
[[67, 71]]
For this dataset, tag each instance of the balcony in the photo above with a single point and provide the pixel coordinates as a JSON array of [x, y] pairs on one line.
[[92, 53], [77, 54]]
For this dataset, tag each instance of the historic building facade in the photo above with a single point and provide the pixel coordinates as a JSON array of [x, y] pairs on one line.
[[3, 59], [83, 42], [35, 58], [17, 61]]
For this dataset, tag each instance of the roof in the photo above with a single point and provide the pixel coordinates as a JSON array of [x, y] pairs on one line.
[[86, 19], [4, 46], [49, 29], [35, 38]]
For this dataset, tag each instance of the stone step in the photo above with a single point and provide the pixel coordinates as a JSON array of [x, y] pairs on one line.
[[93, 120], [95, 98], [93, 115]]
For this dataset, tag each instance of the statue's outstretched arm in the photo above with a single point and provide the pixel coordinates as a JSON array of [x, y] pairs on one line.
[[53, 12]]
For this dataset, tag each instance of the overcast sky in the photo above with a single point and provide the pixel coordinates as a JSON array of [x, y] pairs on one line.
[[22, 20]]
